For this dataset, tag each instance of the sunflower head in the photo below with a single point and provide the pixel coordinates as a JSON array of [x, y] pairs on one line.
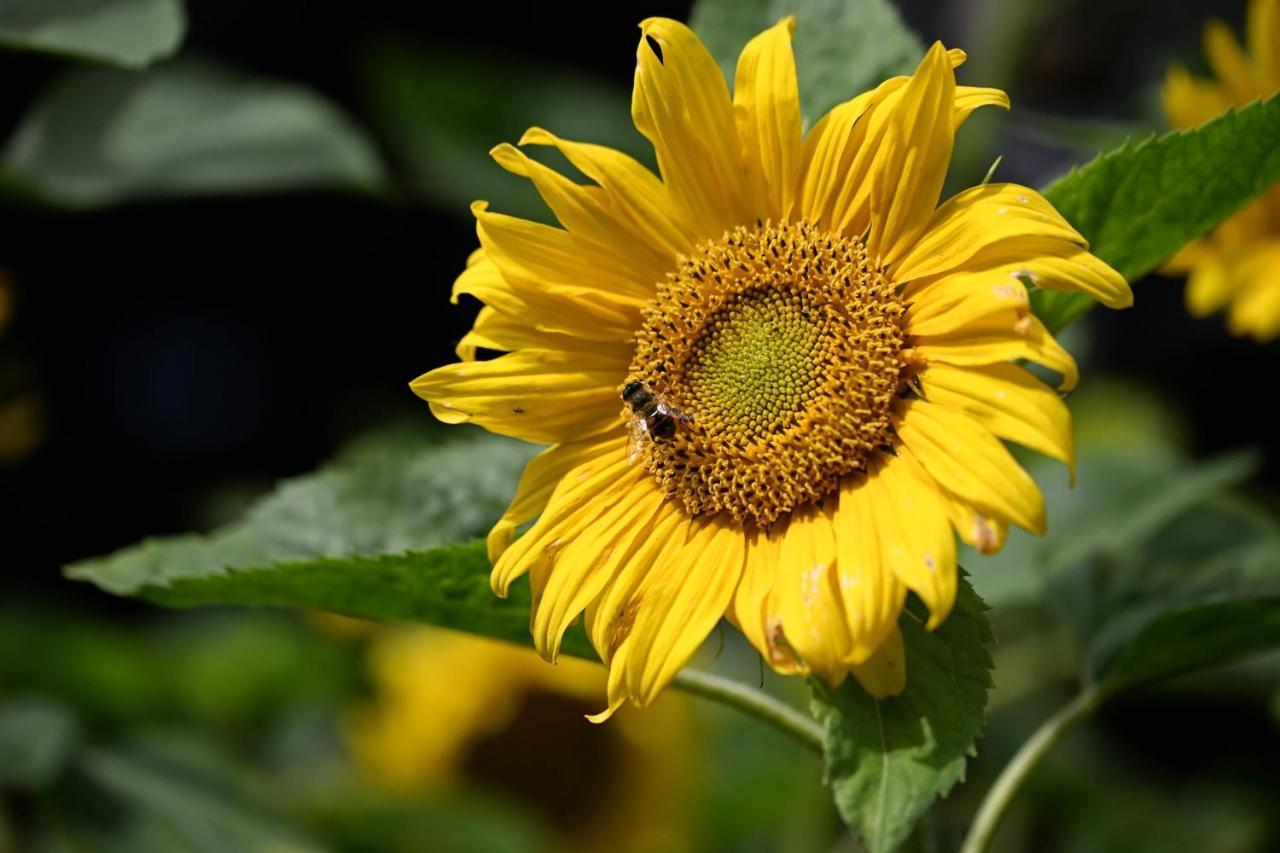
[[829, 360], [518, 732], [1237, 266], [786, 344]]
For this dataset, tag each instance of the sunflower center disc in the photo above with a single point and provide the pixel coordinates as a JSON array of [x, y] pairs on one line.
[[784, 344]]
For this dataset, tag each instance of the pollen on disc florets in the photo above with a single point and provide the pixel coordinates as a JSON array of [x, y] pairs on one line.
[[785, 345]]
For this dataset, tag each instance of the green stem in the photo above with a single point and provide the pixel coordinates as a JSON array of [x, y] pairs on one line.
[[998, 799], [755, 702]]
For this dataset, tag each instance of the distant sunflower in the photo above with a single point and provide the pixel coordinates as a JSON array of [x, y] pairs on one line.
[[450, 712], [826, 360], [1237, 265]]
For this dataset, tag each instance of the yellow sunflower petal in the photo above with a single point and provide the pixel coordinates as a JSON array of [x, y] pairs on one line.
[[603, 238], [585, 487], [953, 302], [1190, 102], [1001, 337], [914, 533], [539, 479], [680, 103], [755, 607], [610, 617], [970, 462], [976, 529], [543, 396], [1262, 27], [872, 594], [1209, 287], [500, 332], [1071, 268], [809, 601], [589, 562], [1256, 310], [970, 98], [1048, 263], [547, 264], [985, 219], [884, 674], [840, 152], [912, 157], [679, 604], [635, 193], [766, 106], [1009, 401], [830, 151], [1229, 63]]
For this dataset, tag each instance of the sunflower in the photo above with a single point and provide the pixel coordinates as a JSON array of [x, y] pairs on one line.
[[1237, 265], [834, 354], [517, 724]]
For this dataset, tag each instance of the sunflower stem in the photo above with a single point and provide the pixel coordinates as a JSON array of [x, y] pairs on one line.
[[998, 799], [754, 702]]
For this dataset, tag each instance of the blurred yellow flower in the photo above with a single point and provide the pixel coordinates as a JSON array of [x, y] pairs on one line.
[[450, 710], [817, 363], [1236, 266]]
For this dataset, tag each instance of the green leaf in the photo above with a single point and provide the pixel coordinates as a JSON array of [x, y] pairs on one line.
[[37, 738], [1138, 204], [226, 670], [442, 112], [130, 33], [1191, 605], [889, 759], [375, 504], [1196, 636], [1137, 507], [381, 536], [144, 799], [103, 136], [842, 47], [446, 586]]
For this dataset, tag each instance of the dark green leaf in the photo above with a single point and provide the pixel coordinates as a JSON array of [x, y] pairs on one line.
[[229, 670], [1139, 204], [1138, 506], [1179, 612], [142, 800], [102, 136], [1196, 636], [446, 586], [888, 760], [131, 33], [376, 504], [842, 47], [442, 112], [377, 537], [37, 738]]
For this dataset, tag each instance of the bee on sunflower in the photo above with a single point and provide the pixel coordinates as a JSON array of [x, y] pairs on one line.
[[836, 355]]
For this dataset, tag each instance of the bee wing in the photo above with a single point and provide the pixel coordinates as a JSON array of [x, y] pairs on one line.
[[637, 434]]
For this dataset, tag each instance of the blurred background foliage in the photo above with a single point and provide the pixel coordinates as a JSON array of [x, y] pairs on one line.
[[229, 233]]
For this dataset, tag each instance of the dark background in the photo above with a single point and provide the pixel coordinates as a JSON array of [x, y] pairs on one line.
[[186, 348]]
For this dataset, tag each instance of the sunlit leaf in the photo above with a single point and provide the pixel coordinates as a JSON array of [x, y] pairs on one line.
[[1140, 203], [131, 33], [376, 504], [888, 760], [842, 47], [382, 536], [102, 136]]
